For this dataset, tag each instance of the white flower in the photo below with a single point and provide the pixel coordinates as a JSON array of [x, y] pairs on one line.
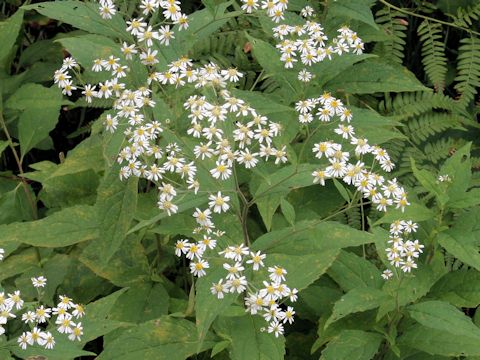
[[14, 300], [77, 331], [238, 285], [49, 341], [24, 340], [221, 171], [198, 268], [387, 274], [219, 203], [277, 274], [181, 247], [218, 289], [40, 281], [276, 328], [257, 260]]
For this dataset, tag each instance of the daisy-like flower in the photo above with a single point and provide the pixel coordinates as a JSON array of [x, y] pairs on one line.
[[276, 328], [14, 300], [198, 268], [219, 203], [77, 332], [39, 282], [277, 274], [256, 260], [49, 340], [181, 247], [219, 289]]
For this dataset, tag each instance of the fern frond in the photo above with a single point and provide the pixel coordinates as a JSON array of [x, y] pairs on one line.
[[394, 25], [468, 69], [436, 151], [433, 53], [466, 16], [420, 128], [407, 105]]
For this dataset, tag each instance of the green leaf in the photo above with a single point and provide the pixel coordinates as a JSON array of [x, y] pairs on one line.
[[460, 288], [128, 266], [188, 202], [276, 185], [351, 271], [207, 306], [352, 9], [288, 211], [140, 303], [308, 249], [63, 228], [84, 16], [430, 183], [164, 338], [371, 76], [462, 240], [357, 300], [3, 146], [328, 69], [414, 211], [247, 341], [9, 30], [442, 316], [438, 342], [352, 345], [269, 58], [39, 108], [97, 317], [115, 207], [459, 168]]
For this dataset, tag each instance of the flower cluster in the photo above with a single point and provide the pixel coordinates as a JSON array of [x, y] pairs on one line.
[[403, 252], [309, 44], [266, 301], [338, 163], [65, 312], [274, 8], [38, 317], [383, 193]]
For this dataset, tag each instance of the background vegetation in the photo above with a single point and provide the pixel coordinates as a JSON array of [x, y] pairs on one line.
[[65, 214]]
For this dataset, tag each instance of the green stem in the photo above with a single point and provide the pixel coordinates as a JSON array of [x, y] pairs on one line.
[[386, 3]]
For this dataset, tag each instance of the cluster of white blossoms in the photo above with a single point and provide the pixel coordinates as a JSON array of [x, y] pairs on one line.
[[147, 154], [170, 9], [66, 312], [352, 169], [266, 301], [338, 159], [403, 252], [38, 317], [274, 8], [309, 44]]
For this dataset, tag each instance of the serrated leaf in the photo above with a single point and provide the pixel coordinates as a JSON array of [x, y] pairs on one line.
[[84, 16], [370, 76], [352, 345], [164, 338], [353, 9], [438, 342], [357, 300], [247, 341], [442, 316], [460, 288], [9, 30], [288, 211], [351, 271], [39, 107], [115, 208], [308, 249], [63, 228]]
